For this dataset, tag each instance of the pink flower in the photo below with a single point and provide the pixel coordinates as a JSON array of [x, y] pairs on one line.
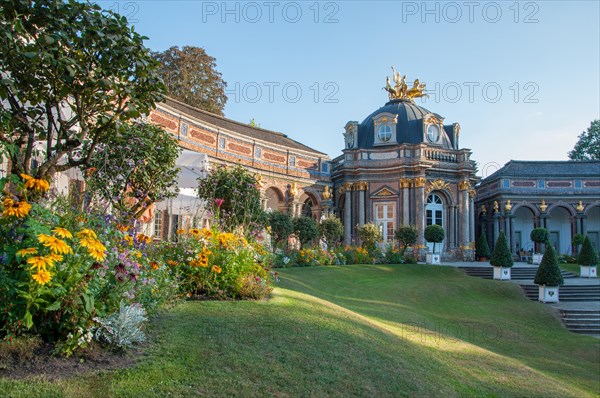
[[219, 202]]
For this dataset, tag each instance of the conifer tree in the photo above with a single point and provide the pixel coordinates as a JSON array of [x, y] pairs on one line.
[[549, 273], [587, 255], [502, 256]]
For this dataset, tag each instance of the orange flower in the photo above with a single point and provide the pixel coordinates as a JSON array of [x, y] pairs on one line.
[[15, 208], [154, 265], [27, 252], [40, 262], [143, 238], [128, 239], [34, 183], [123, 228], [86, 233], [216, 269], [56, 245], [42, 277], [62, 232], [172, 263]]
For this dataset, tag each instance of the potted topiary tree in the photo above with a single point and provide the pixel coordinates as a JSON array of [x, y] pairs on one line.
[[539, 236], [501, 259], [587, 260], [482, 250], [577, 241], [548, 277], [434, 234]]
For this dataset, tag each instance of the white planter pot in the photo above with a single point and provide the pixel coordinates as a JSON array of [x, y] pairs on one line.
[[586, 271], [537, 258], [548, 294], [432, 258], [502, 273]]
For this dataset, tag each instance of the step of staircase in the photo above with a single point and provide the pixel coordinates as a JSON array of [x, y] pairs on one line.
[[581, 321], [516, 273], [567, 293]]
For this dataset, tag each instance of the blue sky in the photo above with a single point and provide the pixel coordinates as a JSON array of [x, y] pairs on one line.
[[522, 78]]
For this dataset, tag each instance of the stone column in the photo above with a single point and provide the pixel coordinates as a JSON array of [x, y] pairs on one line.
[[464, 234], [348, 214], [405, 185], [496, 229], [362, 188], [471, 216], [451, 227], [419, 184]]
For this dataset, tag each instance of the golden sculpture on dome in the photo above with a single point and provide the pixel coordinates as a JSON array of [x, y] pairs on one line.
[[580, 207], [543, 206], [401, 90]]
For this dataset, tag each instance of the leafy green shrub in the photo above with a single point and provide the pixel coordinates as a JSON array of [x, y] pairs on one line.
[[369, 234], [357, 255], [406, 236], [213, 264], [393, 256], [540, 236], [331, 230], [435, 234], [234, 198], [61, 268], [548, 273], [587, 256], [121, 173], [481, 247], [306, 229], [281, 227], [502, 256]]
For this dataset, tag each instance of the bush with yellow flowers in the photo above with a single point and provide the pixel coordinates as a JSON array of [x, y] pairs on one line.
[[60, 268], [214, 264]]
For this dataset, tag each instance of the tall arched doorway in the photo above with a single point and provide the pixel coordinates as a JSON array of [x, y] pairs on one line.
[[559, 226], [593, 227], [274, 199], [523, 225], [434, 214]]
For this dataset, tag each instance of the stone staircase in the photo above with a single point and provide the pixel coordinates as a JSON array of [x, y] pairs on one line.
[[516, 272], [567, 293], [581, 321]]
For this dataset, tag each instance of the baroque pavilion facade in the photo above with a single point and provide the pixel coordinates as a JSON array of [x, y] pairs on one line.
[[403, 165]]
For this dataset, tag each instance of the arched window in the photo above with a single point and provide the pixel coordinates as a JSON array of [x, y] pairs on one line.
[[385, 133], [434, 213]]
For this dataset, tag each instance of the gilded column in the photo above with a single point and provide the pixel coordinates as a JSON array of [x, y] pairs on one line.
[[405, 185], [419, 184], [464, 187], [348, 214]]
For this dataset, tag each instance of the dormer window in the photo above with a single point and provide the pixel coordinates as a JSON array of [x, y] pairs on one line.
[[385, 133], [384, 128], [433, 133]]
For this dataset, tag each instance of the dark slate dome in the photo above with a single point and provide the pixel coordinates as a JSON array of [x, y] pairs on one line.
[[409, 129]]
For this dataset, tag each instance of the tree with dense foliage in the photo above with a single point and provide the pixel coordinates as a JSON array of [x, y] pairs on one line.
[[435, 234], [369, 234], [588, 144], [306, 229], [191, 77], [502, 256], [587, 256], [281, 226], [406, 236], [548, 273], [540, 236], [134, 169], [482, 249], [72, 75], [232, 194], [331, 230]]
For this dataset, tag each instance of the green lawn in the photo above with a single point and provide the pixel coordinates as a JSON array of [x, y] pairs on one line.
[[373, 331]]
